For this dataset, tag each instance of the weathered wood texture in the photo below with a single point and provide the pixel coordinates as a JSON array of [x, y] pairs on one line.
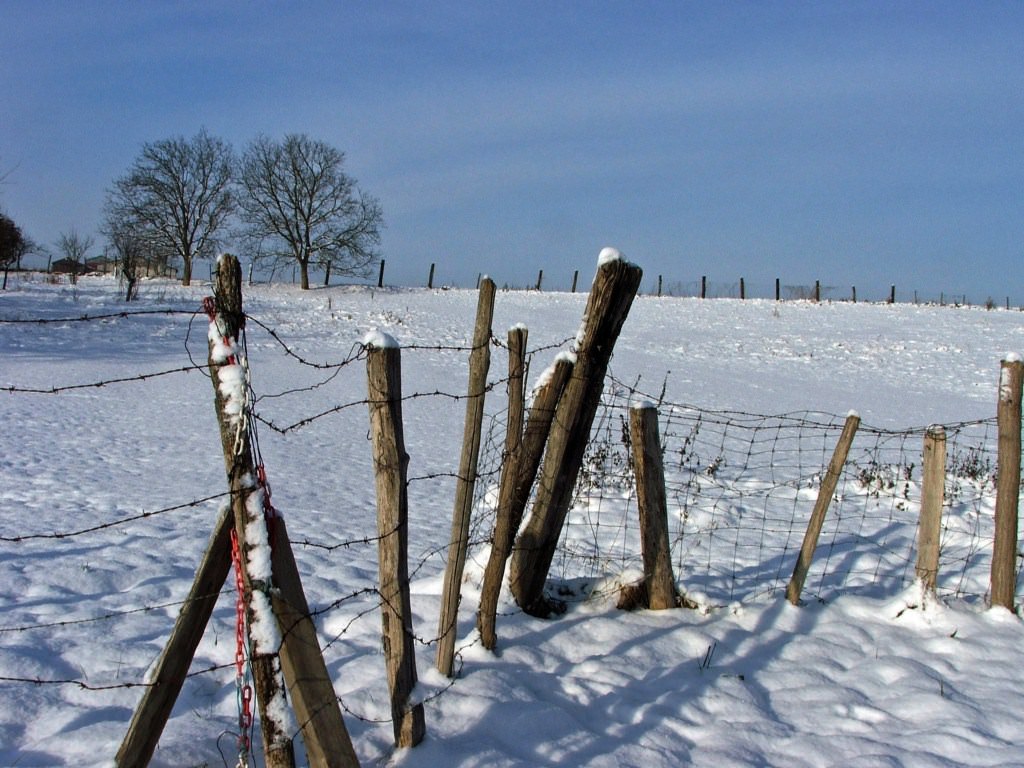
[[479, 362], [535, 437], [158, 699], [1004, 550], [933, 494], [650, 492], [268, 680], [825, 493], [390, 461], [611, 296], [501, 544], [310, 687]]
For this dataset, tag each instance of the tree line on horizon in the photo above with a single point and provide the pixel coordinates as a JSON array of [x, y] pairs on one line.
[[286, 200]]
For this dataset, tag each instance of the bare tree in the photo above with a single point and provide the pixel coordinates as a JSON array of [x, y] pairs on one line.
[[299, 205], [128, 242], [13, 245], [75, 248], [179, 192]]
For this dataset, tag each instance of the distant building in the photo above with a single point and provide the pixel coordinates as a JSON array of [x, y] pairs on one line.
[[68, 267]]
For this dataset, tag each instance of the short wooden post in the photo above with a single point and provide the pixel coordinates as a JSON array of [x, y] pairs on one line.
[[535, 437], [778, 290], [854, 288], [502, 539], [659, 286], [430, 277], [158, 699], [390, 461], [540, 279], [932, 496], [610, 298], [575, 277], [817, 290], [703, 286], [892, 294], [251, 265], [743, 288], [828, 488], [650, 493], [1004, 549], [479, 362], [380, 275]]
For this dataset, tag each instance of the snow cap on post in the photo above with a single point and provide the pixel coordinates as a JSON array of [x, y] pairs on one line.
[[609, 254], [377, 339], [1012, 357]]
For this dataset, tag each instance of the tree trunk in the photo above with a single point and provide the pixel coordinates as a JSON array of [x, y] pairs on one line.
[[304, 274], [186, 271]]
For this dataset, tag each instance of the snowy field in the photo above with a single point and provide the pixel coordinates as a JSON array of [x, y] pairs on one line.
[[101, 527]]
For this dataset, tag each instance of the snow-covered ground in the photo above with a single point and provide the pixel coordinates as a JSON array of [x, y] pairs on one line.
[[99, 535]]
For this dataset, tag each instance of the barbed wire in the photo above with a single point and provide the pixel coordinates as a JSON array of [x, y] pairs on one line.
[[113, 523], [126, 314]]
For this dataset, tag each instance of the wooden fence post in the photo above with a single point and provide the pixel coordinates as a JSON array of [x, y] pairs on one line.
[[535, 436], [390, 462], [854, 290], [892, 294], [540, 279], [932, 496], [250, 530], [479, 362], [703, 286], [650, 494], [1004, 550], [817, 290], [380, 275], [611, 296], [430, 277], [502, 539], [575, 277], [778, 291], [158, 699], [659, 286], [743, 288], [828, 488]]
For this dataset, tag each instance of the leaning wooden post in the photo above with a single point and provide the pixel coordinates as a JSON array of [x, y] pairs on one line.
[[479, 362], [932, 496], [430, 277], [165, 684], [575, 277], [650, 494], [611, 296], [390, 462], [228, 374], [828, 488], [494, 572], [1004, 550], [546, 395], [540, 279], [380, 275]]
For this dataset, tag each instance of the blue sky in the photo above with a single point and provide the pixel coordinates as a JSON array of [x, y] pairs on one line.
[[857, 143]]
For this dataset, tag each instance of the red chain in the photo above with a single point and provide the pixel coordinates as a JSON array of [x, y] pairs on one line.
[[244, 689]]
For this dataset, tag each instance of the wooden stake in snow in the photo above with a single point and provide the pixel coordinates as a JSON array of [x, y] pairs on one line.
[[650, 494], [932, 494], [1004, 550], [502, 540], [611, 296], [158, 699], [828, 488], [508, 519], [390, 461], [227, 373], [479, 362]]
